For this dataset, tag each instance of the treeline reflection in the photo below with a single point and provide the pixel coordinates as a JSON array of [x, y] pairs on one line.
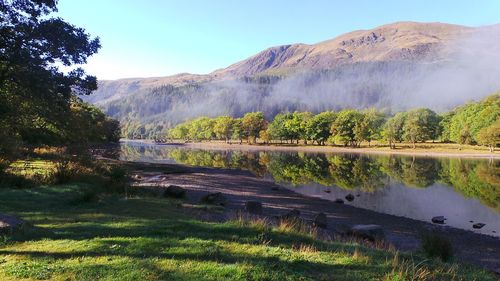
[[476, 178]]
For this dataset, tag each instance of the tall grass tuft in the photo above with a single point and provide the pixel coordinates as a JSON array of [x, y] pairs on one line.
[[437, 246], [409, 270]]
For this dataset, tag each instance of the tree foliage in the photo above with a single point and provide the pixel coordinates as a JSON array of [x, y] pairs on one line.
[[350, 127], [464, 123], [37, 102], [490, 136]]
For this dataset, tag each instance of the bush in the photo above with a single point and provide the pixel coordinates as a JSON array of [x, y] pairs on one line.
[[435, 245], [65, 171], [118, 174]]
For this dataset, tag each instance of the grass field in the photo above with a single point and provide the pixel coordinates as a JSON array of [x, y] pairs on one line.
[[106, 237]]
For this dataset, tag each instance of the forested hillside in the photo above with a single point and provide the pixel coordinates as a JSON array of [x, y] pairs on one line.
[[394, 67]]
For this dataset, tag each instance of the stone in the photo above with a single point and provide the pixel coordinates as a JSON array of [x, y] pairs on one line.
[[174, 191], [349, 197], [320, 220], [327, 190], [275, 188], [214, 199], [438, 219], [10, 224], [339, 201], [254, 207], [372, 232], [478, 225]]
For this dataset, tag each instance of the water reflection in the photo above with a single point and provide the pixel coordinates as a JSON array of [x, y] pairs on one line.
[[382, 177]]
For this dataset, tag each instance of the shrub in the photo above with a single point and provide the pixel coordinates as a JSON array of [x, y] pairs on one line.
[[63, 172], [435, 245], [118, 174]]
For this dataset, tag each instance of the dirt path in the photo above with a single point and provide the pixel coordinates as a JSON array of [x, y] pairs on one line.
[[240, 186]]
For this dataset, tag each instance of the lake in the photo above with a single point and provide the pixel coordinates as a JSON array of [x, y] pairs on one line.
[[465, 191]]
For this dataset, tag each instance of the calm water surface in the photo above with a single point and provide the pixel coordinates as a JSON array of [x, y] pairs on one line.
[[465, 191]]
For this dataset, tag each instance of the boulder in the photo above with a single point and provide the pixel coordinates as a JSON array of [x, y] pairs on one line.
[[320, 220], [254, 207], [10, 224], [349, 197], [438, 219], [214, 199], [372, 232], [339, 201], [174, 191], [478, 225]]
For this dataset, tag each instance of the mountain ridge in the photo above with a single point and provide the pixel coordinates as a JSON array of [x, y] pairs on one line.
[[392, 67], [356, 46]]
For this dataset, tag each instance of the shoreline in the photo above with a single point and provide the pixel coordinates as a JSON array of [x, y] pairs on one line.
[[419, 152], [240, 186]]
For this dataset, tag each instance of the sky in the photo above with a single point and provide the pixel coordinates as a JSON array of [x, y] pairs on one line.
[[150, 38]]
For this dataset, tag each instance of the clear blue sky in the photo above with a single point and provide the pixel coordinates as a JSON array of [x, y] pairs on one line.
[[143, 38]]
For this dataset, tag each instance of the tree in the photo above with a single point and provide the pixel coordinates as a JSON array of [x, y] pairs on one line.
[[301, 120], [238, 131], [264, 136], [393, 129], [90, 125], [277, 129], [343, 128], [490, 136], [318, 127], [467, 120], [253, 123], [223, 126], [369, 126], [201, 128], [35, 95], [180, 131], [420, 125]]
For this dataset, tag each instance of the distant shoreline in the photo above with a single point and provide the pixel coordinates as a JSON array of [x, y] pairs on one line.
[[425, 150]]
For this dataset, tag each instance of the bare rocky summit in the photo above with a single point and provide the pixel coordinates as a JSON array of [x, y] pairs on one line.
[[402, 41]]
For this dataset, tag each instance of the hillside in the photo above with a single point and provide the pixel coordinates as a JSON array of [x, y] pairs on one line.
[[392, 67], [403, 41]]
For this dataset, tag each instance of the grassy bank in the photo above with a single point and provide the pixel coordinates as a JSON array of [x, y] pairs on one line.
[[81, 232]]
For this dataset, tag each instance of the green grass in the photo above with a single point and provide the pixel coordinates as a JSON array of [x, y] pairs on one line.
[[149, 238]]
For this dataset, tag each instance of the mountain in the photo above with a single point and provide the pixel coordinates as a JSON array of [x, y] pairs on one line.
[[393, 67], [402, 41], [406, 41]]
